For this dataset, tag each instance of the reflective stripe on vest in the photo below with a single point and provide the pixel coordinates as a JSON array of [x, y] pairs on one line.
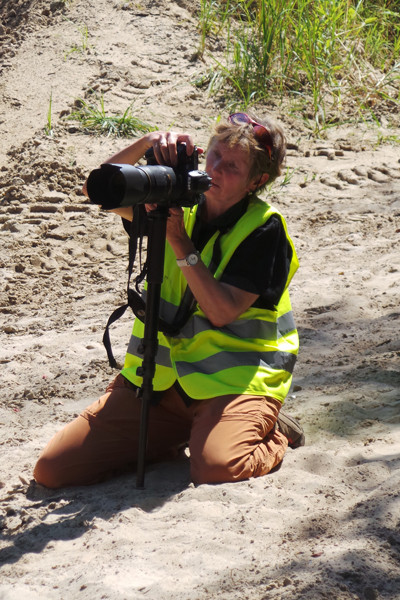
[[243, 328], [163, 352], [218, 362]]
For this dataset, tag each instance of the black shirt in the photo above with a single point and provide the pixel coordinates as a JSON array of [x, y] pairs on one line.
[[261, 263]]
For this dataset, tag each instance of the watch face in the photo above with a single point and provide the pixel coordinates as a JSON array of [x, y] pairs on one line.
[[192, 259]]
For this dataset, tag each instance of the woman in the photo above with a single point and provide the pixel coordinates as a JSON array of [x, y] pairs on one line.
[[221, 381]]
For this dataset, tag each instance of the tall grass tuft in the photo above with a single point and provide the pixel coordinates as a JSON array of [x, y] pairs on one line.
[[320, 52], [94, 120]]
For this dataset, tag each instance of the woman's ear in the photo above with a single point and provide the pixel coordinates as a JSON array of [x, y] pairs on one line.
[[259, 182]]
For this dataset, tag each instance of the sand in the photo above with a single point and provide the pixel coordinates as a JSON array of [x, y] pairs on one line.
[[326, 524]]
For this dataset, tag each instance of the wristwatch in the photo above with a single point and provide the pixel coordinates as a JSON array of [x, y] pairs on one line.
[[190, 260]]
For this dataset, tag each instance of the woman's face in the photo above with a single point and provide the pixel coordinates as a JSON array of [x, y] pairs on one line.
[[229, 169]]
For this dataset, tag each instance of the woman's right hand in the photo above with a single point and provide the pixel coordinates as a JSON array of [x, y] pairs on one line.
[[165, 144]]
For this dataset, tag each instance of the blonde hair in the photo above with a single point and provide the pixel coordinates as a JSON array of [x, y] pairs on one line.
[[242, 135]]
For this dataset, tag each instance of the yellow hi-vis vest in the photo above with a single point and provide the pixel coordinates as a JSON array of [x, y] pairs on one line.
[[255, 354]]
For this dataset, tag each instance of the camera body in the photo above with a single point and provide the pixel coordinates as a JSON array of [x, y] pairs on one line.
[[118, 185]]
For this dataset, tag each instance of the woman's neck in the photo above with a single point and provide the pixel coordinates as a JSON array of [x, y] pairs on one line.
[[211, 211]]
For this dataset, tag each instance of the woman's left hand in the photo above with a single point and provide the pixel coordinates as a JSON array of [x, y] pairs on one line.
[[176, 232]]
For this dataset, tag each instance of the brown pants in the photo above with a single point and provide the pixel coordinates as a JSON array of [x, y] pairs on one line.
[[230, 438]]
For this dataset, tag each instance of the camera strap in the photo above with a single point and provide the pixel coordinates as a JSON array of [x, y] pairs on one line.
[[135, 234], [137, 230]]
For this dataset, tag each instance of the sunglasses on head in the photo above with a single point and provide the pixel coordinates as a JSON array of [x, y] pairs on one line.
[[261, 133]]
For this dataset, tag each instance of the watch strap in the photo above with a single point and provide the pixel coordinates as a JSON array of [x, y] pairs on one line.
[[190, 260]]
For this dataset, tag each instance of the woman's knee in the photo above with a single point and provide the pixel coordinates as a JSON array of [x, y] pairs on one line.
[[59, 464], [47, 473], [215, 463], [216, 468]]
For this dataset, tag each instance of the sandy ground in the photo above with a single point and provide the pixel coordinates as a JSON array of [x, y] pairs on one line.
[[326, 525]]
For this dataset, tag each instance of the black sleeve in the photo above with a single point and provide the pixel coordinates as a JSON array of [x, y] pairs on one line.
[[126, 224], [261, 263]]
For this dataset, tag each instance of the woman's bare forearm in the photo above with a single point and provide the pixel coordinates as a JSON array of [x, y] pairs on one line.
[[220, 302]]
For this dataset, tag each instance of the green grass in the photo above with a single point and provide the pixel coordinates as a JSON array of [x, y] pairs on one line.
[[212, 20], [48, 129], [83, 46], [323, 54], [93, 119]]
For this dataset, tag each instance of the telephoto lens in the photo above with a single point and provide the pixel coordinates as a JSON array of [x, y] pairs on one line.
[[117, 185], [113, 185]]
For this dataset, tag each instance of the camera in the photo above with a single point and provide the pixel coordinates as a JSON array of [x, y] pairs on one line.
[[117, 185]]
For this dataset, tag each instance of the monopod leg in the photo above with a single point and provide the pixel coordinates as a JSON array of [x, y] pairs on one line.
[[155, 261]]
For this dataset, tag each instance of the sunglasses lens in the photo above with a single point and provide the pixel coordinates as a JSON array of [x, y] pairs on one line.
[[240, 118], [262, 133], [264, 138]]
